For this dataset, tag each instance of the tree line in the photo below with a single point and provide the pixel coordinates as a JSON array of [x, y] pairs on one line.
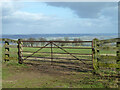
[[57, 39]]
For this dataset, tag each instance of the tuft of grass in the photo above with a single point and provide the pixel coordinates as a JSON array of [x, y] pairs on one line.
[[14, 63]]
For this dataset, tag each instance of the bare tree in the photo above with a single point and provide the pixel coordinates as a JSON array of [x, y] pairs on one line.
[[60, 44], [42, 39], [31, 43], [77, 39], [66, 39]]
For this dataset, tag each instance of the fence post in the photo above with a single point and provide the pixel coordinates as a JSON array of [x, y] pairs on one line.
[[20, 61], [6, 50], [51, 53], [95, 55], [118, 62]]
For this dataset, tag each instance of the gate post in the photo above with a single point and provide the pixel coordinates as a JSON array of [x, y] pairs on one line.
[[20, 61], [51, 53], [95, 55], [6, 50], [118, 62]]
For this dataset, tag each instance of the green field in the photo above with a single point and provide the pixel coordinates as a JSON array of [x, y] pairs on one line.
[[81, 51], [36, 74]]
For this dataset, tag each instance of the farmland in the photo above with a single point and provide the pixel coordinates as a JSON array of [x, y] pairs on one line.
[[36, 74]]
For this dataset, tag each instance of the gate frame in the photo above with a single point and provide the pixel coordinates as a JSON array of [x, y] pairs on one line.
[[20, 60]]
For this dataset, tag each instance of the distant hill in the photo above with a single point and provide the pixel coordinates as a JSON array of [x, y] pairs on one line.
[[82, 36]]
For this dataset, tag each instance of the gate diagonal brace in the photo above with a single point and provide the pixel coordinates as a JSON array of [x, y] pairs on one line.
[[37, 51], [70, 54]]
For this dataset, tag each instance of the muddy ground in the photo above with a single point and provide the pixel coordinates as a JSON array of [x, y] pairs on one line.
[[33, 74]]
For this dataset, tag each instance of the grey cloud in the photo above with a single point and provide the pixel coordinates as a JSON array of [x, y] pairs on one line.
[[84, 9]]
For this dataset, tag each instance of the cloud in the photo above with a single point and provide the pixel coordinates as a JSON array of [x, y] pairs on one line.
[[85, 9], [23, 17], [111, 12], [16, 21], [11, 13], [10, 7], [27, 25]]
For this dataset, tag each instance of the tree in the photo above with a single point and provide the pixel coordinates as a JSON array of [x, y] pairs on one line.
[[77, 39], [60, 44], [66, 38], [31, 43], [42, 39]]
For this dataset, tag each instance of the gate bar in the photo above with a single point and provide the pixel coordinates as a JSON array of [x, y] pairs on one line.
[[59, 53], [60, 58], [62, 47], [60, 41]]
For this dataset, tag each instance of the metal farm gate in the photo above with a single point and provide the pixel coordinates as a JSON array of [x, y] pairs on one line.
[[66, 52]]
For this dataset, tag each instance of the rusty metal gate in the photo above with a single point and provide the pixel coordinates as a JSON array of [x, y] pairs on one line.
[[74, 52]]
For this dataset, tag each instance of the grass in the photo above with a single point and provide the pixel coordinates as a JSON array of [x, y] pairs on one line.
[[22, 76], [12, 63], [84, 51], [81, 51], [29, 76], [46, 76]]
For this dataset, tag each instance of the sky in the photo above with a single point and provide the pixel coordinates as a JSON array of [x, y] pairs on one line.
[[59, 17]]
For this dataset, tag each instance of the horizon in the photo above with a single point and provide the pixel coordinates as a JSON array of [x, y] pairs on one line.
[[60, 33]]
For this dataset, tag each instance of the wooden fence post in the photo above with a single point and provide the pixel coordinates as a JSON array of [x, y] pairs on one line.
[[51, 53], [95, 55], [118, 62], [6, 58], [98, 52], [20, 61]]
